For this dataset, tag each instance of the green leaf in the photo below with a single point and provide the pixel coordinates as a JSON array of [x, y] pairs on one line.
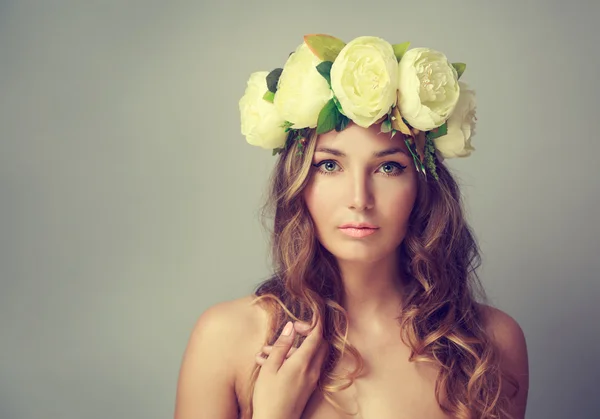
[[273, 78], [342, 122], [386, 126], [438, 132], [269, 96], [430, 158], [418, 164], [327, 117], [325, 47], [460, 68], [287, 125], [400, 49], [277, 151], [338, 105], [324, 69]]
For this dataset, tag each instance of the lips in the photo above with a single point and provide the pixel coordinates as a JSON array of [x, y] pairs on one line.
[[358, 229], [358, 232], [359, 225]]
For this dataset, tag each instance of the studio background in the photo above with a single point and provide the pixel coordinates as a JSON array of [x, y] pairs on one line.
[[129, 198]]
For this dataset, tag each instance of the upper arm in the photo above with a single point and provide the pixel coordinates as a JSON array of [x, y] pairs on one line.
[[205, 388], [510, 340]]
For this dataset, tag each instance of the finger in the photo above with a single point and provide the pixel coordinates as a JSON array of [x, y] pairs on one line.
[[317, 361], [320, 356], [311, 344], [280, 348], [268, 348], [260, 360]]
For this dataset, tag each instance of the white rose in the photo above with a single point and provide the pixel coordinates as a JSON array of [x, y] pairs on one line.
[[364, 78], [461, 127], [428, 88], [301, 91], [261, 123]]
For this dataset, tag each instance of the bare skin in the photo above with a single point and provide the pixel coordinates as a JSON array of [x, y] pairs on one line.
[[358, 187], [350, 183], [391, 387], [357, 178], [360, 175]]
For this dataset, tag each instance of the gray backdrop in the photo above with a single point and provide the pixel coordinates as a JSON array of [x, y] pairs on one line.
[[129, 198]]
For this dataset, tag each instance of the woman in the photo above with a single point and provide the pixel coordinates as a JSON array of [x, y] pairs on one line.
[[373, 259]]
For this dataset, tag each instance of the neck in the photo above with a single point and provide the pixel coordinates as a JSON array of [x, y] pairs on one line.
[[372, 292]]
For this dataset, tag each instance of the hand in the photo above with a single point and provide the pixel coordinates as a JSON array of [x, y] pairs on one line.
[[282, 389], [267, 349]]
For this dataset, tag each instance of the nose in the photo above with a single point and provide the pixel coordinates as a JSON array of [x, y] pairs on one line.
[[361, 192]]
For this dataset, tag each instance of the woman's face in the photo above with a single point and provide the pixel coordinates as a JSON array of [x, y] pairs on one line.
[[354, 185]]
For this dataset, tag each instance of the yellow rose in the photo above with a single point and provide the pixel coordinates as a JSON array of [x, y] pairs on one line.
[[301, 91], [428, 88], [461, 126], [261, 123], [364, 79]]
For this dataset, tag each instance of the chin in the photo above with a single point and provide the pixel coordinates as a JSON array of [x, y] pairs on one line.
[[357, 251]]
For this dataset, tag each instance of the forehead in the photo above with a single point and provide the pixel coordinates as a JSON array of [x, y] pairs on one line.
[[356, 140]]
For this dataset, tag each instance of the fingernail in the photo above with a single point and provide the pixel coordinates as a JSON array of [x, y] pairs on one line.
[[287, 329]]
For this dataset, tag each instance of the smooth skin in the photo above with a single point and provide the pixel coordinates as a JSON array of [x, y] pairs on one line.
[[213, 379], [211, 361], [206, 386], [282, 389], [506, 334]]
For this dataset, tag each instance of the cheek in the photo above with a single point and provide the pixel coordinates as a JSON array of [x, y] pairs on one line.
[[320, 202], [398, 205]]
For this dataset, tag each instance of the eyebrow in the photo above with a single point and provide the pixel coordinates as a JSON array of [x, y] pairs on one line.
[[376, 154]]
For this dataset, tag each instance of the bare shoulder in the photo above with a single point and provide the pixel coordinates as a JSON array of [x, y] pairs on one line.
[[233, 323], [243, 326], [231, 317], [210, 365], [253, 334], [248, 318], [508, 336]]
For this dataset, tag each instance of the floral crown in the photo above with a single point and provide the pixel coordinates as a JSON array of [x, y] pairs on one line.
[[325, 83]]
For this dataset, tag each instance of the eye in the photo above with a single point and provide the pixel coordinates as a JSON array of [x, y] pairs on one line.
[[326, 164], [392, 165], [387, 166]]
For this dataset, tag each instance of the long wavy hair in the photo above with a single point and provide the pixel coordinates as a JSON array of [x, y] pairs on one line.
[[441, 320]]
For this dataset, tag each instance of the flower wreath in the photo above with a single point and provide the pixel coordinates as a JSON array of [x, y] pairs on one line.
[[325, 83]]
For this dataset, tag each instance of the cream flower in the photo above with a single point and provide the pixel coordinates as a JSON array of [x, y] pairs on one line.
[[301, 91], [261, 123], [461, 127], [428, 88], [364, 79]]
